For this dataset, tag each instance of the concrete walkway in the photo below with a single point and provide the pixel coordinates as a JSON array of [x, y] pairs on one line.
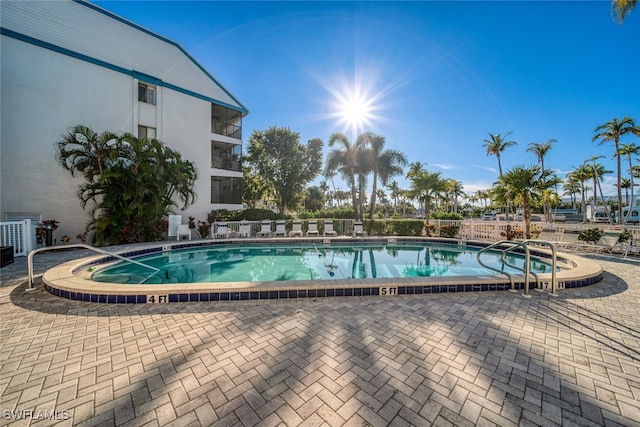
[[491, 358]]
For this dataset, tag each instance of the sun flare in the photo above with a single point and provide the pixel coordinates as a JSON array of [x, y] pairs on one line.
[[356, 111]]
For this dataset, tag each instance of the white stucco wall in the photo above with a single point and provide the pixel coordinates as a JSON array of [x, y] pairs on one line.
[[43, 95], [49, 86]]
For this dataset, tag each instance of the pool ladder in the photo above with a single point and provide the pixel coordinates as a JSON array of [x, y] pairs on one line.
[[512, 245], [79, 245]]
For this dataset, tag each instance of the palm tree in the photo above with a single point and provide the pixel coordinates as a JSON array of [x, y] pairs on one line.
[[596, 172], [396, 192], [330, 174], [525, 185], [385, 164], [611, 132], [581, 174], [541, 150], [454, 190], [345, 161], [571, 188], [622, 8], [630, 150], [426, 187], [496, 144]]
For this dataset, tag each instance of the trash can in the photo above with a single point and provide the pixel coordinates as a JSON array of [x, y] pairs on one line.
[[6, 255]]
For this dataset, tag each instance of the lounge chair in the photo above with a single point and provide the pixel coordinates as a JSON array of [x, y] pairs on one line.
[[222, 230], [184, 230], [244, 230], [608, 241], [328, 229], [550, 235], [296, 229], [631, 247], [570, 240], [265, 229], [358, 229], [280, 229], [313, 229]]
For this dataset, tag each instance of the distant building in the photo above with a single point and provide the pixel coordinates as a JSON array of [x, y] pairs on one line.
[[67, 63]]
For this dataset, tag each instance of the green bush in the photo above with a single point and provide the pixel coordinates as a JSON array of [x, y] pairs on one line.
[[405, 227], [590, 235], [446, 215], [339, 213], [253, 215], [449, 230], [375, 227]]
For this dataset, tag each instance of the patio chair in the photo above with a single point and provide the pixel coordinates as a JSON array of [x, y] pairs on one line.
[[571, 240], [184, 230], [222, 230], [358, 229], [328, 229], [265, 229], [296, 229], [631, 247], [607, 242], [313, 229], [244, 230], [280, 229], [550, 235]]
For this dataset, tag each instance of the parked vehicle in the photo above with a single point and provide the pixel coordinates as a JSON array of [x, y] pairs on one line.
[[634, 216], [597, 214]]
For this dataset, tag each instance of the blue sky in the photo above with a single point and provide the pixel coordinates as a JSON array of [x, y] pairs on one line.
[[438, 76]]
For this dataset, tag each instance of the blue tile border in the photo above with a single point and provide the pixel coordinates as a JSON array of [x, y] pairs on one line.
[[305, 293]]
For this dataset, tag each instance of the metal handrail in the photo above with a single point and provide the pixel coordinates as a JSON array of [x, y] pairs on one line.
[[526, 270], [512, 245], [553, 261], [77, 245]]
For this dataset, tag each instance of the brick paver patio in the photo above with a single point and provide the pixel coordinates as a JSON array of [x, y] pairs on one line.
[[490, 358]]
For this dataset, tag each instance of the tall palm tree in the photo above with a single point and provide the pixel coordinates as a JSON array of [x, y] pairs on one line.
[[454, 190], [345, 160], [629, 150], [581, 174], [496, 144], [525, 185], [597, 172], [622, 8], [396, 192], [427, 186], [571, 187], [541, 150], [611, 132], [384, 163]]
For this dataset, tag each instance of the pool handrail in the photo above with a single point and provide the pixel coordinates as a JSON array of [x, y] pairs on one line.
[[553, 260], [77, 245], [512, 245]]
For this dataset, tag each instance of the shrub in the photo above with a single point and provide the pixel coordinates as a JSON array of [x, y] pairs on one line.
[[405, 227], [375, 227], [446, 215], [449, 230], [590, 235]]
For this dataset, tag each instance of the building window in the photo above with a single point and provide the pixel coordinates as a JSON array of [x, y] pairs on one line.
[[225, 121], [226, 156], [146, 132], [225, 190], [147, 93]]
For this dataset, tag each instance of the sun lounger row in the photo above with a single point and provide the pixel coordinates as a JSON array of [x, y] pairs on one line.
[[569, 240], [221, 230]]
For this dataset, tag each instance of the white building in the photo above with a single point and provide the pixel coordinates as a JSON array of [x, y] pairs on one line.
[[67, 63]]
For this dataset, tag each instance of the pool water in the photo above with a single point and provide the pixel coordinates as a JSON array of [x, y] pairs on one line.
[[291, 262]]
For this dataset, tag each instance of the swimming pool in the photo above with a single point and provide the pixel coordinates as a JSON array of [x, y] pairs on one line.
[[316, 261], [324, 268]]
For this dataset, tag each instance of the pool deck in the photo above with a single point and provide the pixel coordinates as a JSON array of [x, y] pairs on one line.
[[479, 358]]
